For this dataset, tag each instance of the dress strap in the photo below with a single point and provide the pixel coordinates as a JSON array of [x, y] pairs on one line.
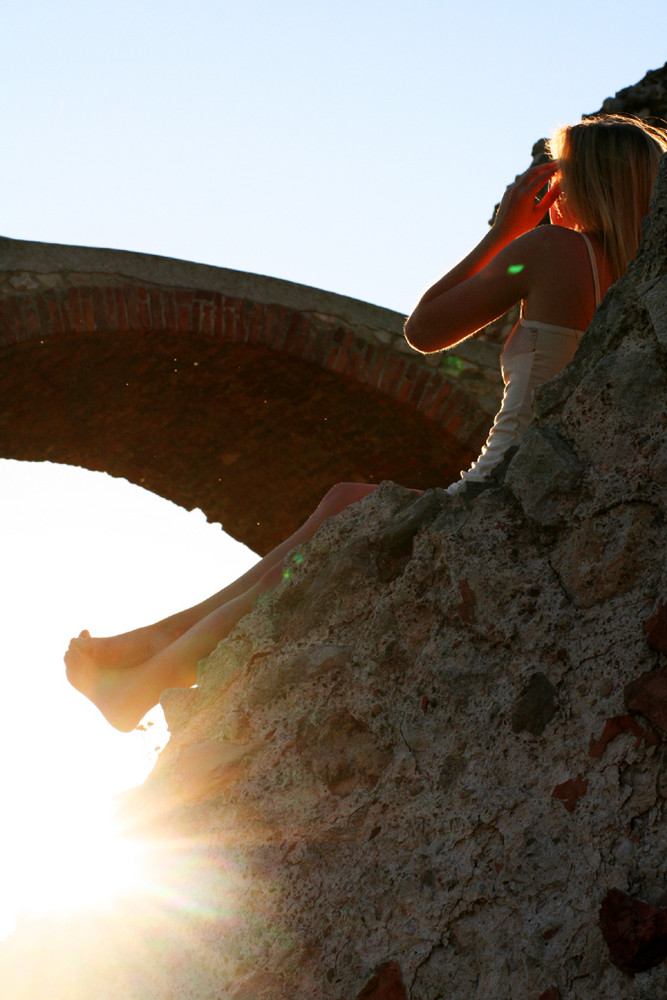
[[594, 267]]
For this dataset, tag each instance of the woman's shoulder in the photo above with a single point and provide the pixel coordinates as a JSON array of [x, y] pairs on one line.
[[562, 282], [553, 239], [549, 249], [567, 250]]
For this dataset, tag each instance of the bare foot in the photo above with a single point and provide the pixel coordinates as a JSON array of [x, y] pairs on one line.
[[118, 652], [98, 668], [120, 694]]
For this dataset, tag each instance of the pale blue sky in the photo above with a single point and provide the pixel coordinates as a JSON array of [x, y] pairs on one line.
[[356, 146]]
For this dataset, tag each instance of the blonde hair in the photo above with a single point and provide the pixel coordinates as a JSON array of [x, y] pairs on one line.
[[608, 166]]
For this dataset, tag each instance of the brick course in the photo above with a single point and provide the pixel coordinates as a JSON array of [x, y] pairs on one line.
[[134, 308]]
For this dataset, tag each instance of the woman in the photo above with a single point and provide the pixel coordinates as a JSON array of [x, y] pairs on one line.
[[601, 181], [599, 188]]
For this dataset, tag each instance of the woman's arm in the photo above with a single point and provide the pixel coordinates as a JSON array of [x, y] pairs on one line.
[[495, 275]]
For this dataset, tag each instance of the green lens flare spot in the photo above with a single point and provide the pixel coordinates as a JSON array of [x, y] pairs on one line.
[[297, 558], [515, 268], [452, 365], [287, 574]]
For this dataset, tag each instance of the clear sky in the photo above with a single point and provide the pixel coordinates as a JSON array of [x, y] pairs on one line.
[[355, 146]]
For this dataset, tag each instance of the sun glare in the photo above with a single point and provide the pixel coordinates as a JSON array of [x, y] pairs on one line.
[[78, 861], [62, 762]]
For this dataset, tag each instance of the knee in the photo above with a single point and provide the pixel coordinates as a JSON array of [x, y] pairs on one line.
[[342, 495]]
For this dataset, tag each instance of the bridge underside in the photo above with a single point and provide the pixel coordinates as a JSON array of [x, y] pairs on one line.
[[252, 436]]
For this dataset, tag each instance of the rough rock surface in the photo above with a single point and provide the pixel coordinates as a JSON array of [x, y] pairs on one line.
[[646, 99], [411, 771]]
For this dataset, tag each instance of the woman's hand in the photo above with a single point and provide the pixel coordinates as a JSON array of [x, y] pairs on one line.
[[486, 282], [518, 211]]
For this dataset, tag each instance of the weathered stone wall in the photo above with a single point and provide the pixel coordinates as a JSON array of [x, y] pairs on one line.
[[245, 396], [431, 764]]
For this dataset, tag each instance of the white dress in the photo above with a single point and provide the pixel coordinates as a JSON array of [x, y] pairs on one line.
[[534, 353]]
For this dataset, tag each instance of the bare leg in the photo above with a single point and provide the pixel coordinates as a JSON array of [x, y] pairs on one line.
[[132, 648], [124, 696], [166, 654]]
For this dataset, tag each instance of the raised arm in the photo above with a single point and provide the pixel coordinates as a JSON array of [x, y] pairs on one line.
[[495, 275]]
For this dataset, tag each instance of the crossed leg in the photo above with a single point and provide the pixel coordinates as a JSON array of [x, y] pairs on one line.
[[125, 675]]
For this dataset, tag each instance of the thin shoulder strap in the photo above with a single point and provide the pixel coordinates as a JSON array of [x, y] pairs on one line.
[[594, 267]]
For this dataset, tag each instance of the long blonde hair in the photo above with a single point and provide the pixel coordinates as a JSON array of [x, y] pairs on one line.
[[608, 168]]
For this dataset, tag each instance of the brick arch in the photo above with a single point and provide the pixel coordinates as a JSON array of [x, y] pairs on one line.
[[245, 396]]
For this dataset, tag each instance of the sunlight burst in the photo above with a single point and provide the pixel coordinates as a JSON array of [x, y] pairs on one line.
[[74, 862]]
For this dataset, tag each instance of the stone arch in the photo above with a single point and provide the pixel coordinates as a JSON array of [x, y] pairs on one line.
[[214, 388]]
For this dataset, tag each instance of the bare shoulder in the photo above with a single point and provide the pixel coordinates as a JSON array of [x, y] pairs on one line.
[[561, 287], [542, 251], [552, 240], [550, 251]]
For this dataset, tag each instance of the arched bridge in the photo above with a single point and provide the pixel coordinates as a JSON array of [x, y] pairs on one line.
[[243, 395]]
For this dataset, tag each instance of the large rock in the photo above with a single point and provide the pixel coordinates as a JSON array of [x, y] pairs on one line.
[[645, 99], [411, 772]]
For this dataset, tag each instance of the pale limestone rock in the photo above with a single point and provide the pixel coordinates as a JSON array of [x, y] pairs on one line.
[[607, 554], [545, 476]]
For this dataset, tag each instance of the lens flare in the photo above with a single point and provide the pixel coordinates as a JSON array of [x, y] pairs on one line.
[[296, 558]]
